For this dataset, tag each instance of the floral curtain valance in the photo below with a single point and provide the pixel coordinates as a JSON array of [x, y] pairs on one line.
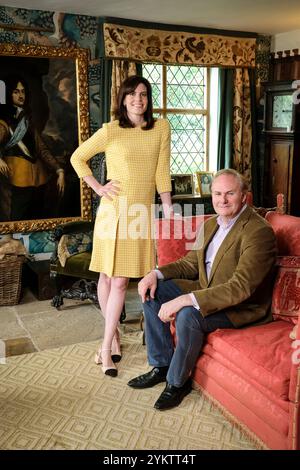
[[175, 47]]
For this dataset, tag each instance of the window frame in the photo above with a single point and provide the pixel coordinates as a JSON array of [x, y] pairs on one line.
[[164, 110]]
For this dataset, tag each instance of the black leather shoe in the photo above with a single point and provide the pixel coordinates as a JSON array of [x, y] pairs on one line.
[[173, 396], [155, 376]]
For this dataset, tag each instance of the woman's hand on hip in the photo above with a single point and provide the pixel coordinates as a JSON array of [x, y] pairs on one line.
[[109, 190]]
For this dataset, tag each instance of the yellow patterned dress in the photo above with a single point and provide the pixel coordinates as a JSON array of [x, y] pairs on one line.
[[139, 159]]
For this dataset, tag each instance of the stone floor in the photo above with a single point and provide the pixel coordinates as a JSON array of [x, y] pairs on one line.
[[35, 325]]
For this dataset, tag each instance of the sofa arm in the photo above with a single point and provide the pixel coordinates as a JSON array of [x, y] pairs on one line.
[[294, 392]]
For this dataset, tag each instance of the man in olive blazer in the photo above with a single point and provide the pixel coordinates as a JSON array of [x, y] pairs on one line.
[[226, 283]]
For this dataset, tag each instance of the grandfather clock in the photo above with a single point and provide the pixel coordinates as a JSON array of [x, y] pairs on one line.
[[282, 145]]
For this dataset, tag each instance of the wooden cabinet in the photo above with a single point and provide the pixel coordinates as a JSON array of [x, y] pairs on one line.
[[37, 278], [286, 66], [282, 146]]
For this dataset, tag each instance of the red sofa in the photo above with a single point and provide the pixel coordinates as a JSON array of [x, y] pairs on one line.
[[253, 374]]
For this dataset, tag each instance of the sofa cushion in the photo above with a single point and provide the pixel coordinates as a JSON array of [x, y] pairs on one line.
[[243, 398], [287, 230], [175, 237], [232, 368], [286, 292], [263, 352]]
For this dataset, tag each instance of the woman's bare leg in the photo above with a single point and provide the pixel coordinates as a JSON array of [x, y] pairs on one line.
[[103, 291], [113, 311]]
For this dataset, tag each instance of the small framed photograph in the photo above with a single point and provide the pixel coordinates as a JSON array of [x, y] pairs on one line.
[[183, 185], [204, 179]]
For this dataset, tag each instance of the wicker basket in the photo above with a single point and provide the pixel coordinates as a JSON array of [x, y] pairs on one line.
[[10, 279]]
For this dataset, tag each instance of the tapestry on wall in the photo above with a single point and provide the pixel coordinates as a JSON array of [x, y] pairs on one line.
[[173, 47]]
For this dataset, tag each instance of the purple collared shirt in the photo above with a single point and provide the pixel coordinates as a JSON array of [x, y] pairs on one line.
[[218, 239]]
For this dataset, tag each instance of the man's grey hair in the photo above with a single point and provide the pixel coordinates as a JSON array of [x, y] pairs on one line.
[[230, 171]]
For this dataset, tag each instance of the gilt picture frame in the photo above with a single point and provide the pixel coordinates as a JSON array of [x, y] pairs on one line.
[[204, 179], [183, 184], [38, 186]]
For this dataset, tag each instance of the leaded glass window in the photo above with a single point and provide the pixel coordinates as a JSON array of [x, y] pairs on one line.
[[180, 95]]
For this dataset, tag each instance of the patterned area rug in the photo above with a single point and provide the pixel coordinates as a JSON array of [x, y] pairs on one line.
[[59, 399]]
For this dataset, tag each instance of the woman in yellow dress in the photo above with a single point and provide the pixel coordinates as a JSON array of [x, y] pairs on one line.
[[137, 149]]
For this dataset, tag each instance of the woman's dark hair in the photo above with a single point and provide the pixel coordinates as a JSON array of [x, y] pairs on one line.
[[127, 87]]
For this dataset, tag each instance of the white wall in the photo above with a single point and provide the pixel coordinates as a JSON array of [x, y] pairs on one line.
[[286, 41], [213, 123]]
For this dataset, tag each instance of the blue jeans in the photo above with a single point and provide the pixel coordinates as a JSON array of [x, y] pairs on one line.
[[191, 327]]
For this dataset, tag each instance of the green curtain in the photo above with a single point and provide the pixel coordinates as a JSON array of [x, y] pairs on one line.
[[104, 94], [105, 90], [225, 118], [139, 69]]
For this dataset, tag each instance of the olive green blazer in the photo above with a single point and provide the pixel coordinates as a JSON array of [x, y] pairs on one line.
[[242, 274]]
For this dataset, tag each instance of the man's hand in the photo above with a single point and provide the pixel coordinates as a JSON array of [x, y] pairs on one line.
[[169, 309], [148, 283], [4, 168], [61, 183]]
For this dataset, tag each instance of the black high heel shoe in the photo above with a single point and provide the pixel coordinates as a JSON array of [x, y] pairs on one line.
[[112, 371]]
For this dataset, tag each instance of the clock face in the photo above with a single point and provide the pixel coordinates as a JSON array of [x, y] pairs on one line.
[[282, 112]]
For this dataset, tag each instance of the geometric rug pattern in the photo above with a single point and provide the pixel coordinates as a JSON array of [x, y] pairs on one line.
[[60, 399]]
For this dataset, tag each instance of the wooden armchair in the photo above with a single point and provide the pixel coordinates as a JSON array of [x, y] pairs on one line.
[[75, 265]]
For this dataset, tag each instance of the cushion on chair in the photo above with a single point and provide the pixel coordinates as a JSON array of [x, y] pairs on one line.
[[286, 292], [287, 230], [73, 243], [175, 237], [77, 266]]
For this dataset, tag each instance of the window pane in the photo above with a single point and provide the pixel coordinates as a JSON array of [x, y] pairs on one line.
[[185, 87], [182, 88], [187, 143], [153, 73]]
